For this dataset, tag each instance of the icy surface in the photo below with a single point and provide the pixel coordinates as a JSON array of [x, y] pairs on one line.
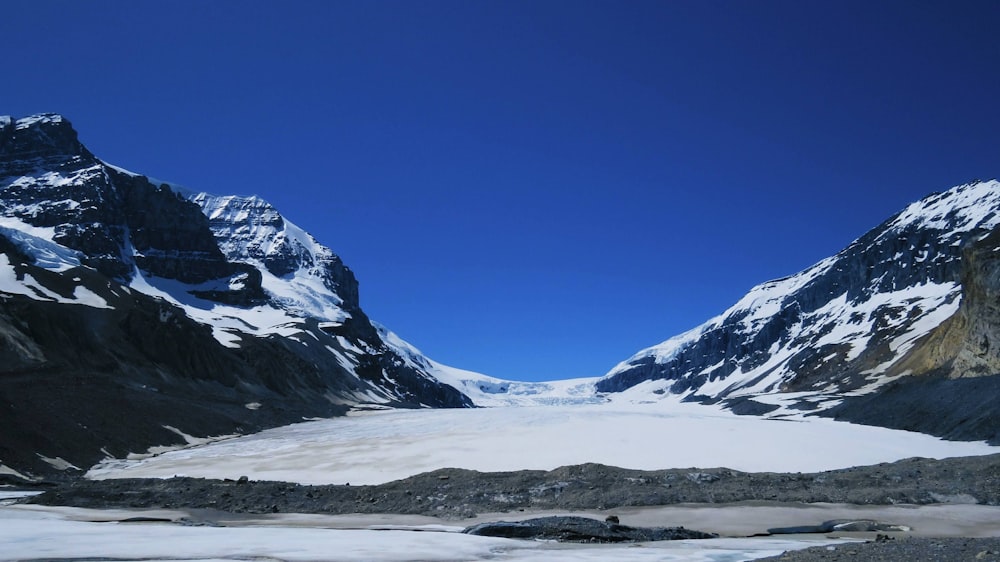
[[60, 533], [370, 448], [36, 242]]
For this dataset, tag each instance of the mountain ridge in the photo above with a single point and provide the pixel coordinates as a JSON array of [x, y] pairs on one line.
[[187, 323], [853, 324], [191, 315]]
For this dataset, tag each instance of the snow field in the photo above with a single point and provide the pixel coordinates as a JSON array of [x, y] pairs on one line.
[[29, 532], [378, 447]]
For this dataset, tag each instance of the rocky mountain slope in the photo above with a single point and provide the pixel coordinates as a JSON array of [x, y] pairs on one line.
[[899, 329], [135, 314]]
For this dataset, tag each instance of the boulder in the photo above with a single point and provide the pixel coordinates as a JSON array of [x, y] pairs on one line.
[[581, 529]]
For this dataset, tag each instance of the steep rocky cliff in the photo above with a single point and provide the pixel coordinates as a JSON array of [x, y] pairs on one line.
[[968, 343], [949, 384]]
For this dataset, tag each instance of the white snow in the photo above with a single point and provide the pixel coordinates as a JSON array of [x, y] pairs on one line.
[[4, 469], [84, 296], [254, 230], [8, 279], [58, 463], [30, 287], [957, 210], [33, 532], [374, 447], [838, 322], [225, 319], [37, 242], [666, 351], [26, 122]]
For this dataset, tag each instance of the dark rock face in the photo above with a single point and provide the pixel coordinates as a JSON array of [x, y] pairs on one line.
[[118, 221], [911, 549], [966, 345], [79, 382], [90, 366], [841, 526], [961, 408], [949, 385], [581, 529], [43, 139]]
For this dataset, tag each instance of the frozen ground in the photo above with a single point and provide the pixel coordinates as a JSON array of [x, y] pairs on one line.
[[377, 447], [32, 532], [373, 447]]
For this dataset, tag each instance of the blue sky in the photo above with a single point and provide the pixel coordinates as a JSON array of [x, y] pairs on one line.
[[534, 189]]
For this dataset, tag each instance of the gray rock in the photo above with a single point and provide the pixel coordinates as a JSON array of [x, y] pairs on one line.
[[841, 525], [581, 529]]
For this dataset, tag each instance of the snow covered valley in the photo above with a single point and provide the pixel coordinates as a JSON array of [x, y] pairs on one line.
[[35, 532], [380, 446]]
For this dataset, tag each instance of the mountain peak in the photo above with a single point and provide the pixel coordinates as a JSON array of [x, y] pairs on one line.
[[209, 314], [843, 327], [41, 118], [43, 135]]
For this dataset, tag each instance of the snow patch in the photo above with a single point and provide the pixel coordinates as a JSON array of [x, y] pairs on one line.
[[36, 242], [4, 469], [58, 463]]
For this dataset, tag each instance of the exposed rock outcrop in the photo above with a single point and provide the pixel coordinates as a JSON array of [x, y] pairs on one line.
[[968, 343], [949, 384], [581, 529]]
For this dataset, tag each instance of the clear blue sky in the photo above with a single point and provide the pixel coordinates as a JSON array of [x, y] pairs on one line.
[[534, 189]]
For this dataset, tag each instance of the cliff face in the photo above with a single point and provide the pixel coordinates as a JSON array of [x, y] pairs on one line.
[[968, 344], [117, 221], [132, 313], [949, 384]]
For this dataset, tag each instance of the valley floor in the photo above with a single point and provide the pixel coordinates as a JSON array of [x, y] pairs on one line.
[[382, 446], [30, 532], [402, 504]]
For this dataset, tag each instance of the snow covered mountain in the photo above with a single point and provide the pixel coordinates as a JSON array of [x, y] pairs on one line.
[[134, 313], [867, 323]]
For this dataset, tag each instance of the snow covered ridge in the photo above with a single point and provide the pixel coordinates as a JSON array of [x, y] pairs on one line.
[[254, 234], [299, 273], [835, 329], [243, 269]]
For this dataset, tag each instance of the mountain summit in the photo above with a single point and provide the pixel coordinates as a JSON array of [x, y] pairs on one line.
[[135, 314]]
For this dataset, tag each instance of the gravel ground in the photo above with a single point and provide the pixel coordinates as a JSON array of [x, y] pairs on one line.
[[453, 494], [458, 494], [907, 549]]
